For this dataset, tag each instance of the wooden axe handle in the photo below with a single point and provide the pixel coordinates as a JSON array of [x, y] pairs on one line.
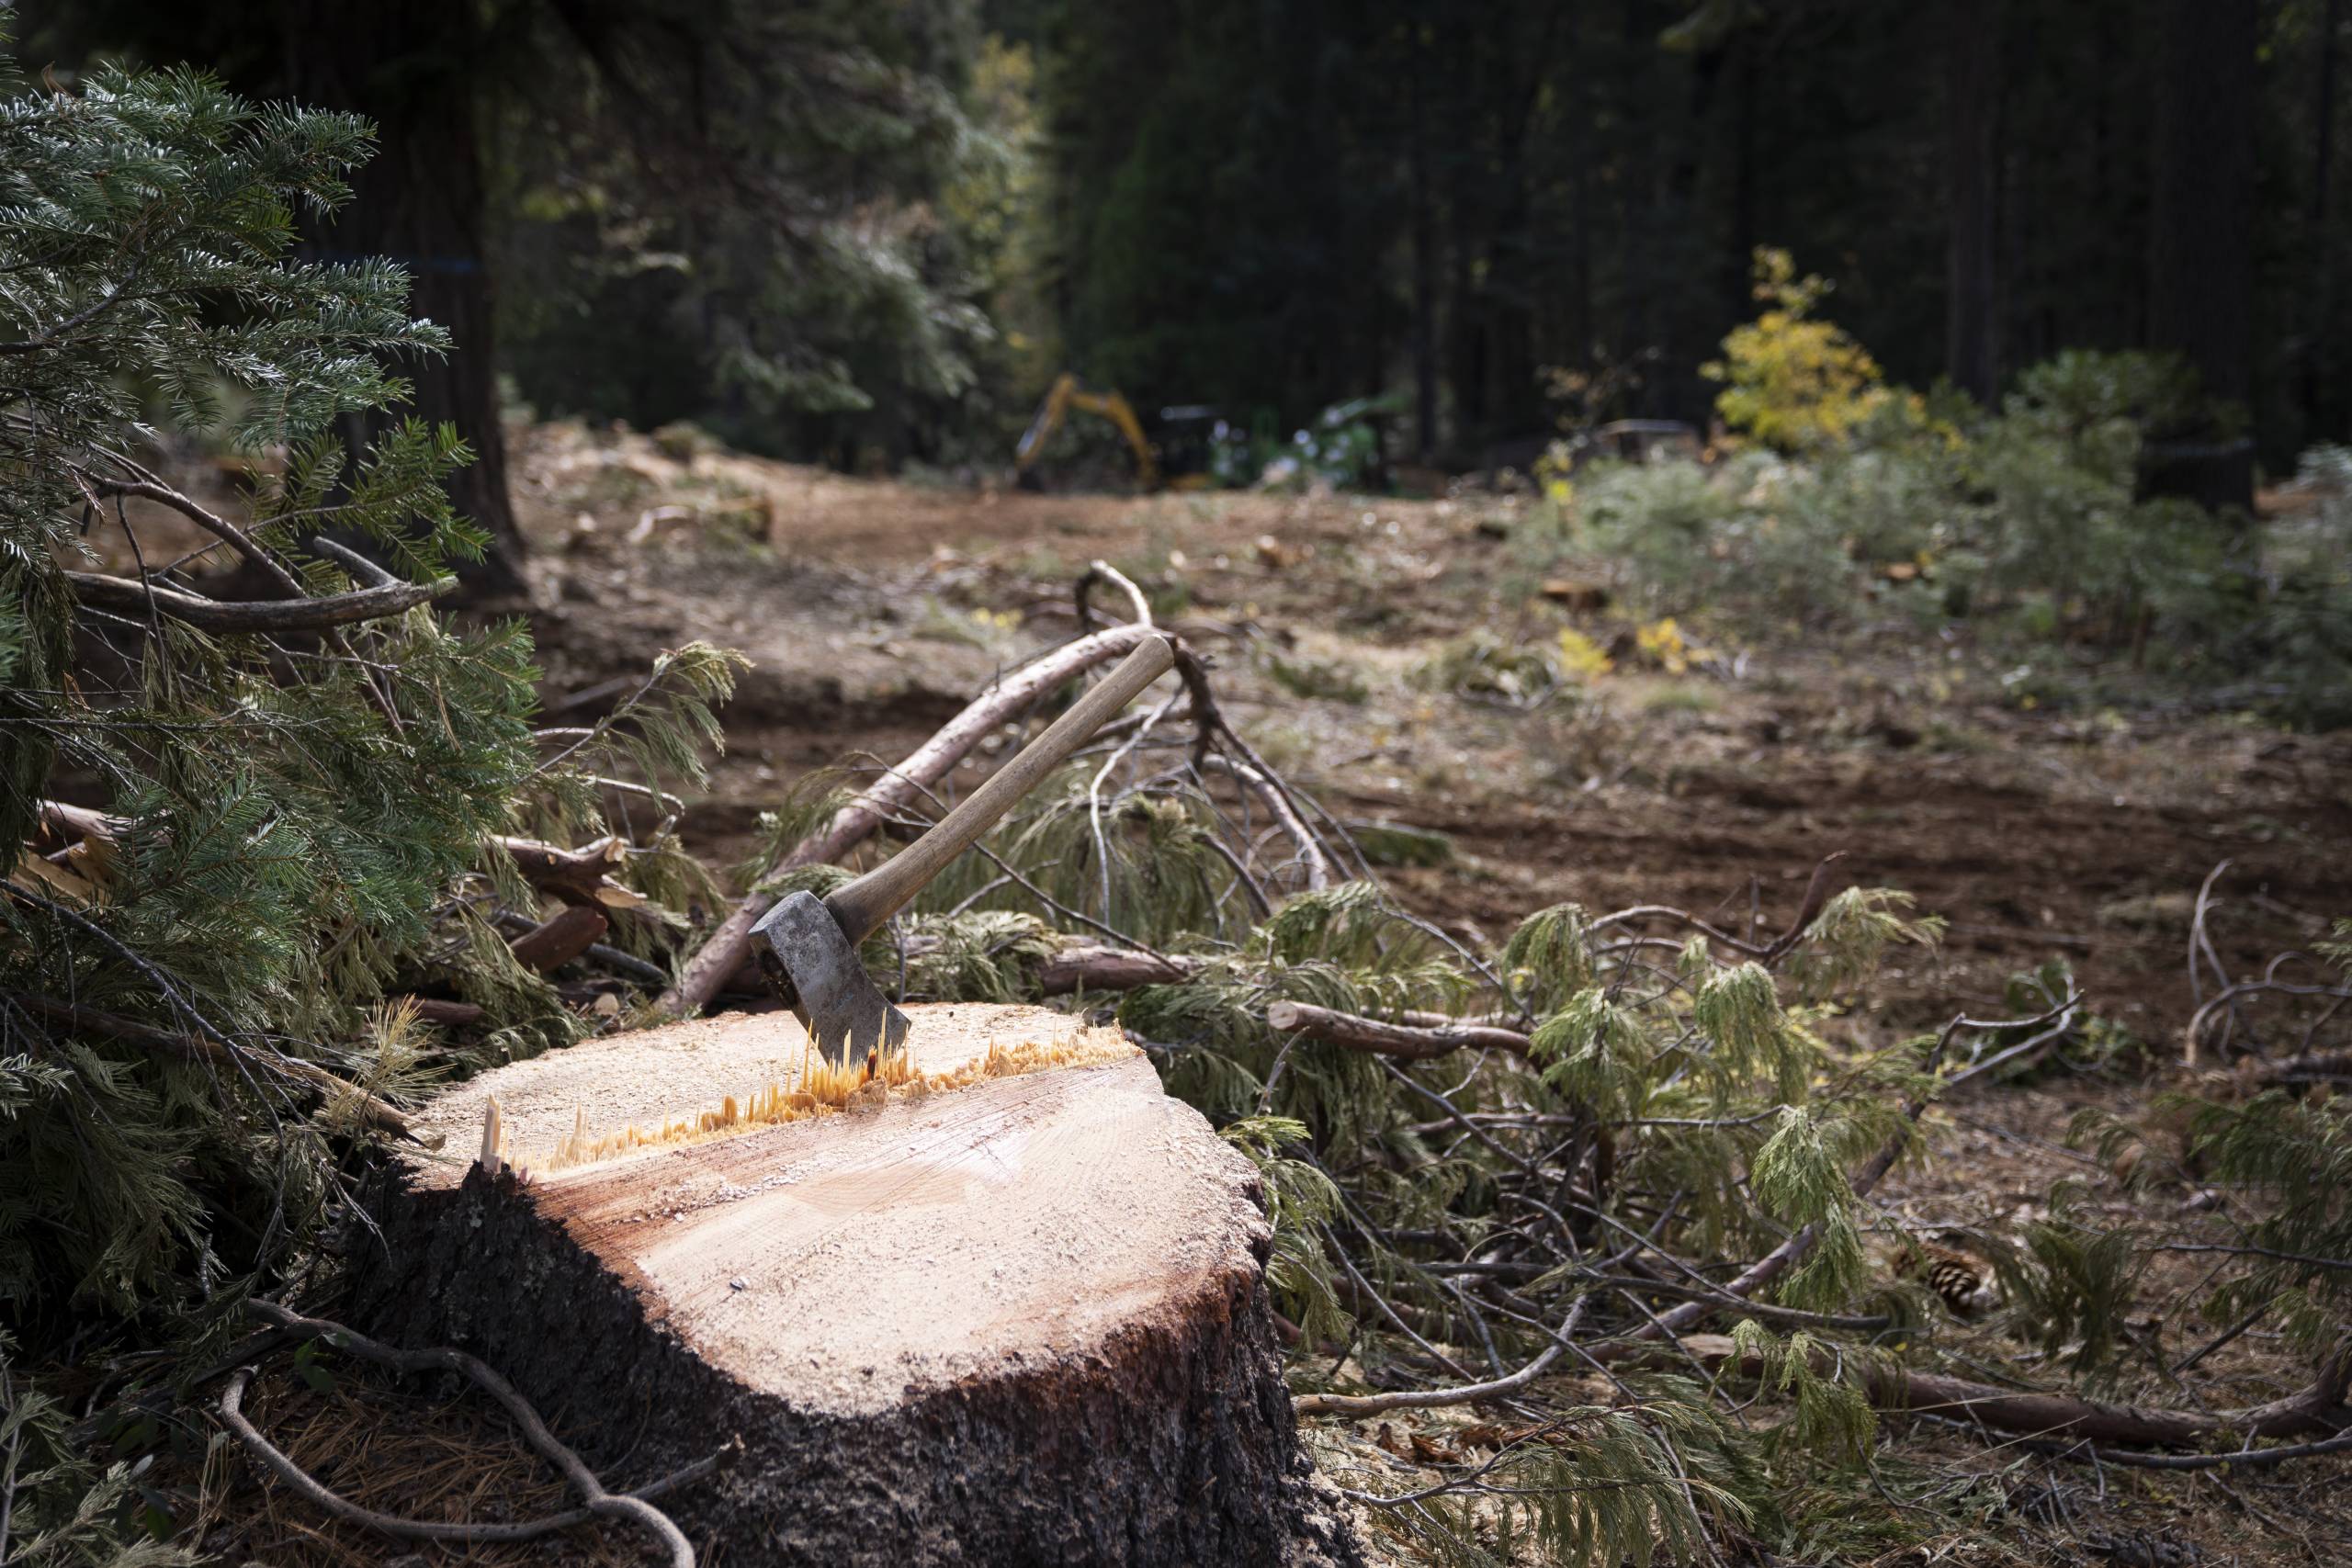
[[863, 905]]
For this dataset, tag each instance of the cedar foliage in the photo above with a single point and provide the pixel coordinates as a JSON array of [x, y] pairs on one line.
[[299, 822]]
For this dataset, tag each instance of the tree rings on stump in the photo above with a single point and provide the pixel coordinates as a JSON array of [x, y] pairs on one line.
[[999, 1302]]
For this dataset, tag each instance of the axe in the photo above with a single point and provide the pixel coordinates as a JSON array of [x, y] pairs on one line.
[[807, 945]]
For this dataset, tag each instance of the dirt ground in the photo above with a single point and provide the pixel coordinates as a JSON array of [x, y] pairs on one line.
[[873, 611], [2037, 831]]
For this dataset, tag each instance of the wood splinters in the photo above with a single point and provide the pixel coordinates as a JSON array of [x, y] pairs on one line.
[[824, 1089], [492, 1135]]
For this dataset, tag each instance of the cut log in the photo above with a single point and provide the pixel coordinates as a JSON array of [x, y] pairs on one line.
[[557, 941], [1007, 1309], [576, 876]]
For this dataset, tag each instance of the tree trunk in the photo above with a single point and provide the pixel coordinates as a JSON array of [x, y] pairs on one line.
[[1424, 276], [411, 68], [2201, 254], [1972, 306], [2318, 355], [1020, 1319]]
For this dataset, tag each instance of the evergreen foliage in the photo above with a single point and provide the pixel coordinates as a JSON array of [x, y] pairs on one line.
[[1728, 1123], [62, 1509], [290, 809], [294, 823]]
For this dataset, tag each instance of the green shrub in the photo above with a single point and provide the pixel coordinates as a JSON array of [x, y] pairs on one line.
[[2027, 524]]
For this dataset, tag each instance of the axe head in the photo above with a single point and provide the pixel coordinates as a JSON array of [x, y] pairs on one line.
[[802, 949]]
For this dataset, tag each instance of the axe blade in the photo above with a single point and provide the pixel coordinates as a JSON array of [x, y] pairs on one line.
[[802, 948]]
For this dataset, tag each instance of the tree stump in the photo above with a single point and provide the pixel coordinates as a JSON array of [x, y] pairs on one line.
[[1011, 1313]]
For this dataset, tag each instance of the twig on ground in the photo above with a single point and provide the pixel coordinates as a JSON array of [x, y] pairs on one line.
[[632, 1507]]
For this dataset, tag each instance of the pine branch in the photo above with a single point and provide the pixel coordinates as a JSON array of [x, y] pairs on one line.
[[264, 616]]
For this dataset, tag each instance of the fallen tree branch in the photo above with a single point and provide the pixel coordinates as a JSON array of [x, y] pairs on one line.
[[437, 1010], [1091, 968], [893, 794], [632, 1507], [1411, 1043], [1104, 571], [1791, 1252], [1816, 893], [1438, 1398], [575, 877], [67, 823], [1816, 897], [559, 939], [128, 597], [2311, 1066], [1278, 805], [2315, 1408], [147, 487], [1424, 1398], [2228, 996]]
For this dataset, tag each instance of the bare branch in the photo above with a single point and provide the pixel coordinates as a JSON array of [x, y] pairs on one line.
[[124, 596], [631, 1506]]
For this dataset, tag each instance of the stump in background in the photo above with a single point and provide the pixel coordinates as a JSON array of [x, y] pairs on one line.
[[1017, 1321]]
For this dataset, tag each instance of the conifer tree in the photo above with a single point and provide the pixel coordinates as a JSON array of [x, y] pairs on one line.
[[237, 820]]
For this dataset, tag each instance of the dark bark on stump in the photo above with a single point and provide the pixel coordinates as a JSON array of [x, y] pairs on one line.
[[1166, 1438]]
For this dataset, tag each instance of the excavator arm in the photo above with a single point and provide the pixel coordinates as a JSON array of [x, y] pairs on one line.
[[1066, 394]]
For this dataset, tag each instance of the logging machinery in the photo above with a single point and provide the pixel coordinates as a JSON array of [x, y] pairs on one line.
[[1066, 394], [1172, 460]]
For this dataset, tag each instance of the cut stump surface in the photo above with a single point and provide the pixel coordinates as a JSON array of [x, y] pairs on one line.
[[1021, 1319]]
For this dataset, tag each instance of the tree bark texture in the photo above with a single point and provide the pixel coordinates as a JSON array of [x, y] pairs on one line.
[[411, 68]]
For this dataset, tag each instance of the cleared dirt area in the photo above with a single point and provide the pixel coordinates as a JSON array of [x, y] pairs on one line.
[[874, 610]]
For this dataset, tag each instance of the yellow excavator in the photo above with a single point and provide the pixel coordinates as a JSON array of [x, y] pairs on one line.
[[1066, 395]]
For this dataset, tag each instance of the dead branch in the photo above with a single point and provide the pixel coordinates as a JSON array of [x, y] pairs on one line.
[[1816, 893], [557, 941], [67, 823], [893, 794], [1438, 1398], [149, 487], [632, 1507], [1278, 804], [124, 596], [449, 1014], [575, 877], [1104, 571], [2228, 996], [1090, 968], [1411, 1043], [2317, 1407], [2311, 1066], [1424, 1398], [1816, 897]]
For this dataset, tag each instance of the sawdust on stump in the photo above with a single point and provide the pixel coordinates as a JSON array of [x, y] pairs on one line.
[[1010, 1310]]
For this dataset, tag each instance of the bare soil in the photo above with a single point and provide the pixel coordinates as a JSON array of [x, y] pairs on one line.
[[2078, 833], [874, 610]]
